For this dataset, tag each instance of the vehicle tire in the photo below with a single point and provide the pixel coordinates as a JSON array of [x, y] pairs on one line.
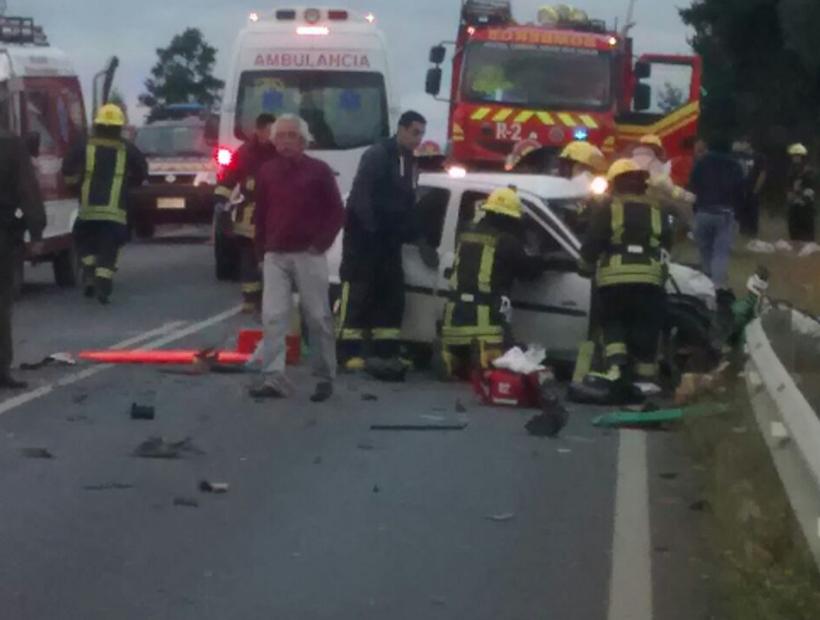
[[144, 229], [17, 276], [226, 259], [66, 267]]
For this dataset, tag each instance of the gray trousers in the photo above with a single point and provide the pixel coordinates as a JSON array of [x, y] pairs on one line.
[[714, 235], [283, 274]]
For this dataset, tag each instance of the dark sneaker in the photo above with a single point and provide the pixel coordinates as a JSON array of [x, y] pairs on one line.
[[267, 391], [324, 390]]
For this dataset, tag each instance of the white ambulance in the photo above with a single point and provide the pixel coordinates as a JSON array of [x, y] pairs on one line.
[[329, 66], [41, 100]]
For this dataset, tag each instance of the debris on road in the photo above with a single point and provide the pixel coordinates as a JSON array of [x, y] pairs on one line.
[[433, 418], [110, 486], [142, 412], [418, 427], [501, 518], [564, 451], [213, 487], [460, 408], [37, 453], [390, 371], [78, 418], [186, 502], [79, 399], [671, 475], [702, 505], [365, 445], [159, 448], [376, 488], [63, 359], [317, 460], [552, 419], [369, 397]]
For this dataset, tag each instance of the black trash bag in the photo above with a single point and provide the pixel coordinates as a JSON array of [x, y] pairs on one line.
[[553, 417], [594, 390], [389, 370]]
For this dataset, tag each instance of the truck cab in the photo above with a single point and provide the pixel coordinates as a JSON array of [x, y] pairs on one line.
[[41, 100]]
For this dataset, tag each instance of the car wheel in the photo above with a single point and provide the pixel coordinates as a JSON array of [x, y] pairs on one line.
[[66, 267]]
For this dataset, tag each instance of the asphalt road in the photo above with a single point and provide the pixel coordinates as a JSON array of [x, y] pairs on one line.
[[324, 518]]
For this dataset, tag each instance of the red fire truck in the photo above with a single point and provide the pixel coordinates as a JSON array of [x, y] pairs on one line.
[[563, 77]]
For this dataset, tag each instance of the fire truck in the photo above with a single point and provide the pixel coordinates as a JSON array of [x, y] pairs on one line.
[[560, 78]]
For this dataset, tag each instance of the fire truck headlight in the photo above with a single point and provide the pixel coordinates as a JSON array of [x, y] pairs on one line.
[[599, 186]]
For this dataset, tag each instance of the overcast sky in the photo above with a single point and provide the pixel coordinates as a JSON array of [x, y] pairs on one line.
[[93, 30]]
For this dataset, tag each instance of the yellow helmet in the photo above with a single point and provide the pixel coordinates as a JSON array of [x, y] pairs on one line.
[[586, 154], [111, 115], [504, 201], [623, 166], [798, 150], [653, 141]]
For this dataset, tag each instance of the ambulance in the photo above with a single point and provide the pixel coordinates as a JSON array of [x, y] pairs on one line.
[[41, 101], [328, 65]]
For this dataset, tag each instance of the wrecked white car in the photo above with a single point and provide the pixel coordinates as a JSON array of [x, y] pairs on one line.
[[552, 310]]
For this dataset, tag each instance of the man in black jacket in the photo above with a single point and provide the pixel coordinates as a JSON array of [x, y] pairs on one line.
[[18, 190], [379, 221]]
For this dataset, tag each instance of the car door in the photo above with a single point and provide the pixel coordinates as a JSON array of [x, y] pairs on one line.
[[553, 309], [424, 300]]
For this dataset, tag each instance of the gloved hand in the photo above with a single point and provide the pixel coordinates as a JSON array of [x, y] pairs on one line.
[[429, 255]]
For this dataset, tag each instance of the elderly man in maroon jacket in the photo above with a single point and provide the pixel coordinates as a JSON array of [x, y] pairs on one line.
[[299, 212]]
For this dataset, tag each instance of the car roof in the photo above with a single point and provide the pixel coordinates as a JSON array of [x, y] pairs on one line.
[[543, 186]]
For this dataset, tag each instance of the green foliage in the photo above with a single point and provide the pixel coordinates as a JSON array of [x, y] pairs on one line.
[[183, 74]]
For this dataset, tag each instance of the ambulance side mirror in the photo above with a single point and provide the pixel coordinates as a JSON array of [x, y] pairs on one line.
[[433, 82], [33, 144], [437, 54]]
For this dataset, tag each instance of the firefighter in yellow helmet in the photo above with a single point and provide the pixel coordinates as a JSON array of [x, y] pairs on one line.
[[580, 159], [801, 195], [650, 154], [626, 247], [102, 169], [490, 257]]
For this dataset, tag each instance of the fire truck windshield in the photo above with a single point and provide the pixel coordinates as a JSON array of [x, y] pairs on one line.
[[536, 76], [345, 110]]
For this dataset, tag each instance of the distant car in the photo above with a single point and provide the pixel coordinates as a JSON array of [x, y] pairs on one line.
[[181, 173]]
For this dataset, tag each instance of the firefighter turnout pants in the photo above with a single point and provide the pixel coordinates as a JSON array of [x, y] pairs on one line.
[[8, 249], [801, 222], [372, 308], [98, 244], [472, 335], [250, 276], [632, 318]]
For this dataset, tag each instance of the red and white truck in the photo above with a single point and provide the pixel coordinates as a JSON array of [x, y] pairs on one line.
[[560, 78]]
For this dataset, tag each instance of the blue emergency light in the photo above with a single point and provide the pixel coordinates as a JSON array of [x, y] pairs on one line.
[[580, 134]]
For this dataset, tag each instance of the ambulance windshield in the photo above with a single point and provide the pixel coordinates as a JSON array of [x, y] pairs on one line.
[[345, 109]]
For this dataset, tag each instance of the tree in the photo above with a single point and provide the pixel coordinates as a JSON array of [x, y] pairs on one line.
[[183, 74], [670, 98]]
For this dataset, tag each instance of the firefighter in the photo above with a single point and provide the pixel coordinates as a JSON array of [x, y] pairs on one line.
[[800, 197], [102, 169], [581, 161], [650, 155], [379, 220], [627, 247], [490, 257], [241, 172]]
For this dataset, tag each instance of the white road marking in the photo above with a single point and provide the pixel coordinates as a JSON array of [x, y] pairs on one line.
[[168, 333], [630, 588]]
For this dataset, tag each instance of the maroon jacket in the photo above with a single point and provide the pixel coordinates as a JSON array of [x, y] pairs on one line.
[[298, 206]]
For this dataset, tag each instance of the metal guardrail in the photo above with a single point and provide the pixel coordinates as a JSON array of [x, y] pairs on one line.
[[778, 344]]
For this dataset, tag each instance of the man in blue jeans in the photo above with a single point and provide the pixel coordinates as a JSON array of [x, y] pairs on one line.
[[718, 183]]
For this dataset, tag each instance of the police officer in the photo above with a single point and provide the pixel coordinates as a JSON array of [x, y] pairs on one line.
[[18, 190], [627, 247], [241, 172], [490, 257], [102, 169], [379, 221], [801, 195]]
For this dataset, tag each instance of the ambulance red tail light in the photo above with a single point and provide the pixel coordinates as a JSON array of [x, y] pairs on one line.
[[224, 156], [337, 15]]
